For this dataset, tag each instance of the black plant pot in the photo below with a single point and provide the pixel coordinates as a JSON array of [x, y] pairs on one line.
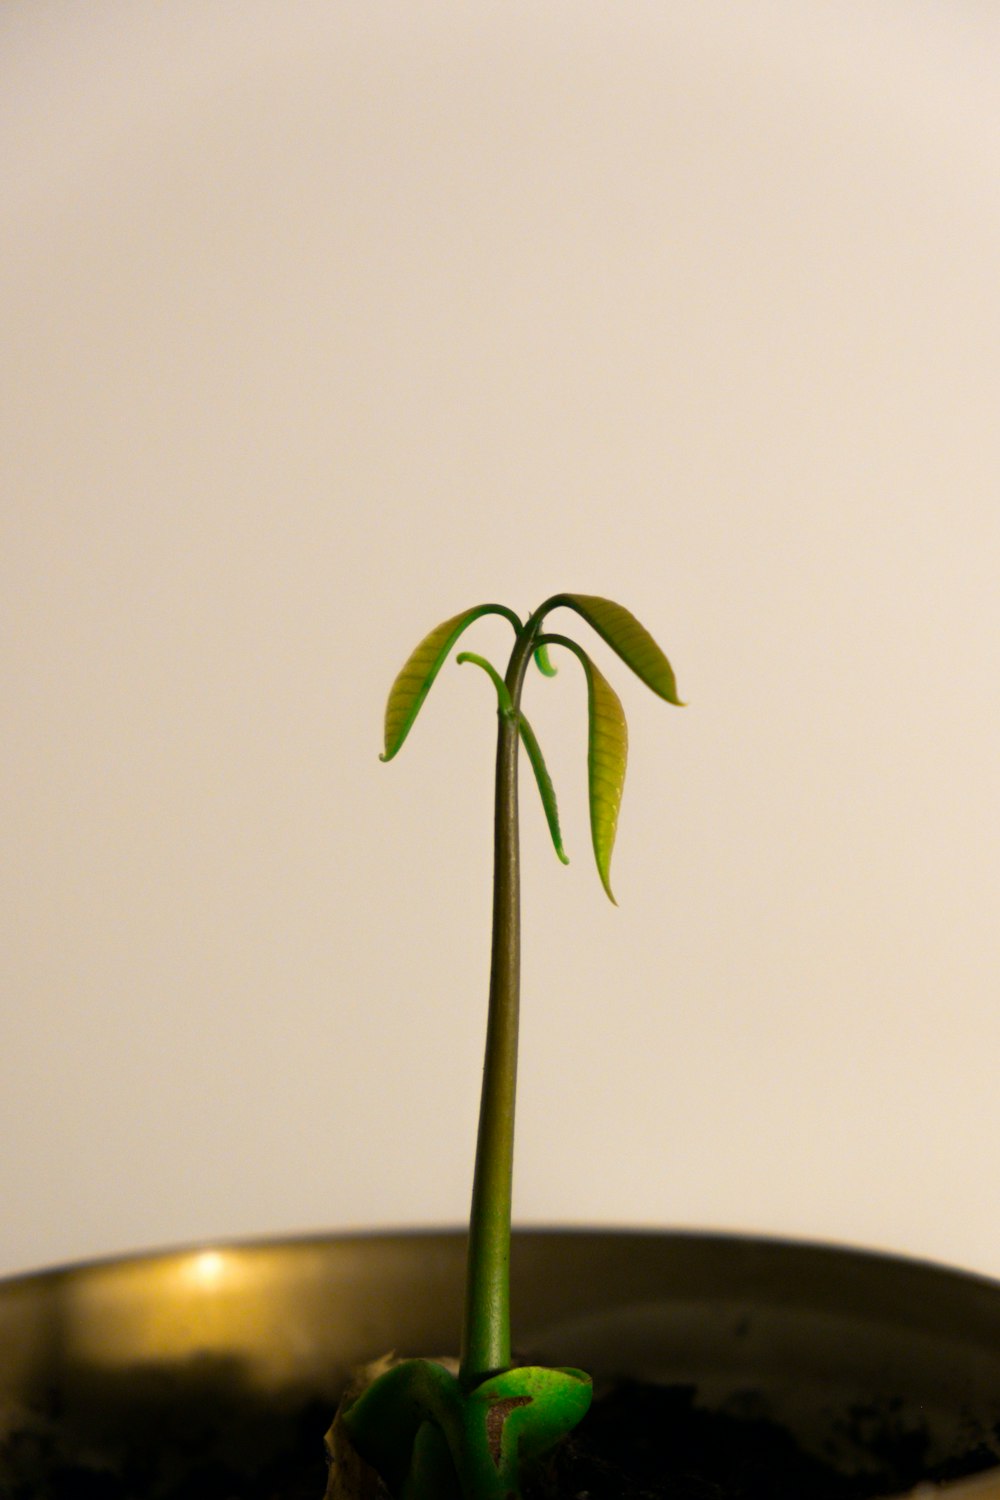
[[215, 1371]]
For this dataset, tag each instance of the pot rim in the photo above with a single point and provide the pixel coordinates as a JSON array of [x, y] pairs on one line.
[[691, 1236]]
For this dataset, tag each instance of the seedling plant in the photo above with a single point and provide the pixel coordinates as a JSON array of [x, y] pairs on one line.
[[431, 1434]]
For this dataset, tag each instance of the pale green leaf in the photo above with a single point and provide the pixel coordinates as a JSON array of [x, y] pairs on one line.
[[413, 681], [632, 641]]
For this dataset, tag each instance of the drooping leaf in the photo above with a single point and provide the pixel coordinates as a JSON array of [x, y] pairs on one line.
[[607, 757], [544, 782], [632, 641], [413, 681]]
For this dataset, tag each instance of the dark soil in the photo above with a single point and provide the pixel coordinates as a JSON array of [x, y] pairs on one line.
[[639, 1442], [645, 1442]]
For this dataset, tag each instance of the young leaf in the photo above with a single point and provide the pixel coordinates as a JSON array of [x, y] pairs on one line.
[[542, 777], [632, 641], [543, 663], [413, 682], [503, 696], [545, 787], [607, 756]]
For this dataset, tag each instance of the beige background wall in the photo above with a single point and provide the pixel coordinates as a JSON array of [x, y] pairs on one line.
[[324, 321]]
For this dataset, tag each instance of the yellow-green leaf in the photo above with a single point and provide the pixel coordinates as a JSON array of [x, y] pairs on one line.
[[632, 641], [607, 756], [413, 681]]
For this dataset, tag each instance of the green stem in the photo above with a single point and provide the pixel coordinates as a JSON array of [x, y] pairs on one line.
[[486, 1327]]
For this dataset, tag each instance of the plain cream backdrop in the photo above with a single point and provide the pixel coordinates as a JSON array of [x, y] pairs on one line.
[[324, 321]]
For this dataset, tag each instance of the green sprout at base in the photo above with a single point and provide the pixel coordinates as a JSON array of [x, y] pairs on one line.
[[431, 1434]]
